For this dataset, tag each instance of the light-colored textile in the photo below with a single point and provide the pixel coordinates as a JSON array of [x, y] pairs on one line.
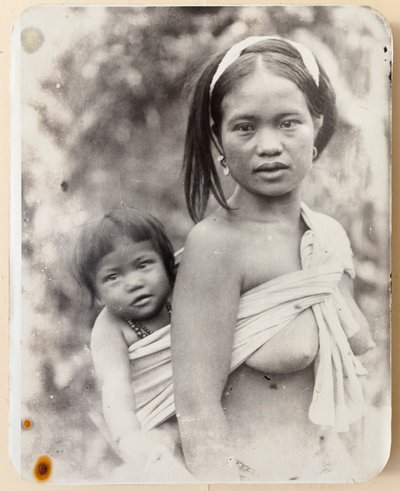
[[263, 312]]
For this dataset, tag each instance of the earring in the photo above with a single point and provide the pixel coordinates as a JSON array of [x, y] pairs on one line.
[[225, 169], [314, 153]]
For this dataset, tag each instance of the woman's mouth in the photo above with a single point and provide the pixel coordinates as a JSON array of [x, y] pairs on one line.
[[271, 170]]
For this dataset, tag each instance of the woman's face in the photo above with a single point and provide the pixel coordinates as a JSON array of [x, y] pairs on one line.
[[267, 134]]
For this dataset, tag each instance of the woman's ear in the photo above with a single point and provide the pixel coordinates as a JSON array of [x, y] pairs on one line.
[[318, 121]]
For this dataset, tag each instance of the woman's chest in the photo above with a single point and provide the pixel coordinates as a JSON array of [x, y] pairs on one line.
[[272, 254], [263, 257]]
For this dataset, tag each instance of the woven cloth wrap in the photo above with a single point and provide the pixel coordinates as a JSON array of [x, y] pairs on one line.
[[263, 311]]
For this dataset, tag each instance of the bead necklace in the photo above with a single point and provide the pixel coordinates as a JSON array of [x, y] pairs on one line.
[[140, 329]]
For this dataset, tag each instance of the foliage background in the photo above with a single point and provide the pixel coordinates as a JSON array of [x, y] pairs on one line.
[[102, 116]]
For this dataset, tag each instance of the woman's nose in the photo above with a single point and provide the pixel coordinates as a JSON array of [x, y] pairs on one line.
[[269, 142]]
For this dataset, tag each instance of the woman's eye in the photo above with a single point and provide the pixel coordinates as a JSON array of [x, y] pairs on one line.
[[245, 127], [289, 124]]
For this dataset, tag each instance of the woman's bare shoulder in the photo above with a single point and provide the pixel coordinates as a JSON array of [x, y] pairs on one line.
[[210, 252], [213, 234]]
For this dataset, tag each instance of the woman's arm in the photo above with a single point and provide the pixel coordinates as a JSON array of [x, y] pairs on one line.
[[205, 303], [362, 340]]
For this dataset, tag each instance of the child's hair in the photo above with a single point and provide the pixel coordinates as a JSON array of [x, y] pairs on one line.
[[281, 57], [97, 239]]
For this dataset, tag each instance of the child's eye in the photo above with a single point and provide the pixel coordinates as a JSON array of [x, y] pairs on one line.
[[111, 277], [143, 264], [289, 124]]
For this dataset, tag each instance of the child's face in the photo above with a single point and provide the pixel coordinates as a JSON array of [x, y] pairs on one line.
[[267, 134], [132, 281]]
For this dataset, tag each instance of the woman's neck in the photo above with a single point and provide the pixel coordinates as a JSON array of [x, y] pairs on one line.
[[248, 206]]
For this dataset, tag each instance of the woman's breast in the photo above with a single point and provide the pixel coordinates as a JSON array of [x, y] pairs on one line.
[[293, 349], [295, 346]]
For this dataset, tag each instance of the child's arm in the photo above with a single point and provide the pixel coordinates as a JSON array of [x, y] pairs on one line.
[[111, 362]]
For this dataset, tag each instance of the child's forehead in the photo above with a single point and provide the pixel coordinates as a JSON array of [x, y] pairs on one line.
[[127, 249]]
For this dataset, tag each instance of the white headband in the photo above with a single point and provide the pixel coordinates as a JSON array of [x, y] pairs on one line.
[[233, 54]]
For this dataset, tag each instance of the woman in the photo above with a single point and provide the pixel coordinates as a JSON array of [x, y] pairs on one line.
[[268, 109]]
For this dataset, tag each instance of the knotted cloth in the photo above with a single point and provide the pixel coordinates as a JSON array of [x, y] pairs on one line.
[[263, 312]]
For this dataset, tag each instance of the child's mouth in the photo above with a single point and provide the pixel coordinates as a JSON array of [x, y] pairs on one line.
[[141, 301]]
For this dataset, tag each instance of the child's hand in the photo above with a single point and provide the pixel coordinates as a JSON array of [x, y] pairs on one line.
[[149, 460], [246, 473], [140, 448]]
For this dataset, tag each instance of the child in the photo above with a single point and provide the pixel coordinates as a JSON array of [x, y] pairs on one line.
[[264, 277], [126, 262]]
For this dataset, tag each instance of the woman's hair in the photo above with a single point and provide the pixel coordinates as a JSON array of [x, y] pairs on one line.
[[281, 57], [98, 238]]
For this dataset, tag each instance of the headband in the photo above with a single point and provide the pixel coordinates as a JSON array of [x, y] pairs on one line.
[[236, 50]]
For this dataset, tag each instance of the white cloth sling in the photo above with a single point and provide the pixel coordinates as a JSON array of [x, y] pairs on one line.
[[264, 311]]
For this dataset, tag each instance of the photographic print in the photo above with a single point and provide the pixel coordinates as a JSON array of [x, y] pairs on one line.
[[200, 244]]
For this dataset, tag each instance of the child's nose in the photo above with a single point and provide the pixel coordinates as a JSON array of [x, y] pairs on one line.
[[133, 281]]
